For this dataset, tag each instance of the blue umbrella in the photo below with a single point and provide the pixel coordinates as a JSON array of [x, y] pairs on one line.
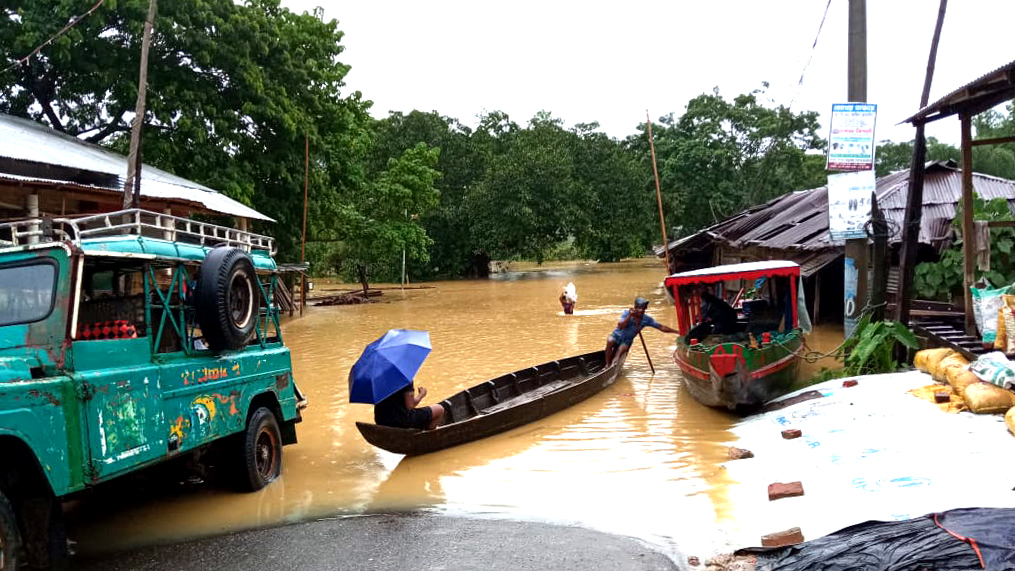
[[388, 364]]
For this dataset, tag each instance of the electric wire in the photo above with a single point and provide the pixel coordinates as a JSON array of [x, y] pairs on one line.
[[73, 21], [810, 56]]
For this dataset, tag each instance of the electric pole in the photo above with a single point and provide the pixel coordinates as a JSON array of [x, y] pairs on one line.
[[856, 264]]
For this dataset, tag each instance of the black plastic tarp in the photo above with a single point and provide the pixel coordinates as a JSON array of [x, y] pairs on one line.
[[955, 539]]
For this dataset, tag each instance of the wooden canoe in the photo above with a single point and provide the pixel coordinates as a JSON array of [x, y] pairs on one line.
[[501, 404]]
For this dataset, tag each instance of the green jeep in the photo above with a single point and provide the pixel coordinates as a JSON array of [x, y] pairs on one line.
[[128, 339]]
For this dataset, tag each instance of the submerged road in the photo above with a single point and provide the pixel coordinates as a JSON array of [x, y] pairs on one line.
[[397, 543]]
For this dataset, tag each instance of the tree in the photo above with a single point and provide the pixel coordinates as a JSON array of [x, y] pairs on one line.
[[892, 157], [233, 91], [721, 157], [617, 218], [527, 199], [379, 224], [462, 163], [996, 160]]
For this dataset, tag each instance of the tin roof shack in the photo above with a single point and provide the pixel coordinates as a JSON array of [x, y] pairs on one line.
[[45, 172], [48, 174], [795, 227], [967, 101]]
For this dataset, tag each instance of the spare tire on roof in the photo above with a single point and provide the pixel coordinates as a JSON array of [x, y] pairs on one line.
[[227, 299]]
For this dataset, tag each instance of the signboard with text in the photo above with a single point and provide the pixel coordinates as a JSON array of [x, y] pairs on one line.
[[849, 204], [851, 137]]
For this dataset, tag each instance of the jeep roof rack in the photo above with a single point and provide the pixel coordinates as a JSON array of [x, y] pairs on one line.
[[132, 222]]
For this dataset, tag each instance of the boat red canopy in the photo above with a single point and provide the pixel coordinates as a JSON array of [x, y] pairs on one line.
[[745, 271], [689, 307]]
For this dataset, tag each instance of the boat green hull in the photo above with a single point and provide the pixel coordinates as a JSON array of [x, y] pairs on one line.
[[732, 375]]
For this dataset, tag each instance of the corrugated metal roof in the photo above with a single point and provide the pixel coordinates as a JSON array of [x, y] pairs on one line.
[[994, 85], [31, 142], [798, 221]]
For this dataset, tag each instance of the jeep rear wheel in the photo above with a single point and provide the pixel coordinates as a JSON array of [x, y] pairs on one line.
[[261, 461], [10, 538]]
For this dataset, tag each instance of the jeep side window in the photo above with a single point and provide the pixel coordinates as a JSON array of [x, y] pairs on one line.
[[112, 306], [27, 292]]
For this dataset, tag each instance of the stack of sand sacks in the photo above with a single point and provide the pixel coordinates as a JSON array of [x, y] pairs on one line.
[[948, 366]]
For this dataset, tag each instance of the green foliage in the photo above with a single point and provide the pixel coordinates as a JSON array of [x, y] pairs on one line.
[[994, 160], [721, 157], [233, 90], [871, 348], [891, 157], [380, 223], [236, 87], [997, 160], [943, 280]]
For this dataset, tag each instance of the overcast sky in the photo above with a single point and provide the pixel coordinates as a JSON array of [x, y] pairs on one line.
[[610, 61]]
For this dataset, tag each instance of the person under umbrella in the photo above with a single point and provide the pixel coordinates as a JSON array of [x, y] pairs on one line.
[[383, 376], [402, 410]]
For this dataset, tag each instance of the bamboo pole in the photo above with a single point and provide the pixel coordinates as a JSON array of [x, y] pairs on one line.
[[645, 347], [659, 194]]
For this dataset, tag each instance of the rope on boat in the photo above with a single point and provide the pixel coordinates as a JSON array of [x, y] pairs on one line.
[[812, 356]]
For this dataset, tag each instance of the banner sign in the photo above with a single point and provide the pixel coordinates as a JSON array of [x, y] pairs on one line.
[[849, 204], [851, 137]]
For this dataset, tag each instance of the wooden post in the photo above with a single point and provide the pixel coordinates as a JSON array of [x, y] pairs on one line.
[[914, 203], [968, 235], [817, 297], [881, 261], [129, 193]]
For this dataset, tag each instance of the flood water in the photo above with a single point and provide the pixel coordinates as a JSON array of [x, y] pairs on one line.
[[641, 459]]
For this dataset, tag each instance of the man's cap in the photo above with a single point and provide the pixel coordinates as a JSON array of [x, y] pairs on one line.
[[640, 302]]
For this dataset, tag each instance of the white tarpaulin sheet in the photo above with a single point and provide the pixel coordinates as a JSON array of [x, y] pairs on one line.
[[868, 452]]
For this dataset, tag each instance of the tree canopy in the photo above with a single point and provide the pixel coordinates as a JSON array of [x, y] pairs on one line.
[[721, 156], [237, 89]]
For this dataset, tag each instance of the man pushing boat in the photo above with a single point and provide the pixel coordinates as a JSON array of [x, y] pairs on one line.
[[632, 321]]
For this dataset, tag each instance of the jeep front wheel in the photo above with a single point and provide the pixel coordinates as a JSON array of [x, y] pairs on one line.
[[10, 538], [261, 461]]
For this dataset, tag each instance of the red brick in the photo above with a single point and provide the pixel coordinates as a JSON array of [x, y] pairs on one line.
[[850, 383], [791, 433], [740, 453], [693, 561], [942, 396], [778, 491], [791, 536]]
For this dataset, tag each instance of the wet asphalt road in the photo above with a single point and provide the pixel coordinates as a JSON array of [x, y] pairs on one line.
[[397, 543]]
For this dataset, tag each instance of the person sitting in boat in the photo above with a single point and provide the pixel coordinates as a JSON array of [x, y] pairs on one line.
[[632, 321], [569, 298], [717, 317], [400, 410]]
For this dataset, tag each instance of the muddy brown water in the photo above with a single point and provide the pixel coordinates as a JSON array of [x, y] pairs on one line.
[[641, 459]]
